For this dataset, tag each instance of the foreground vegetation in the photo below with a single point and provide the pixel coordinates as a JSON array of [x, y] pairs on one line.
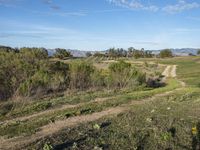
[[165, 123], [15, 128], [30, 73], [155, 112]]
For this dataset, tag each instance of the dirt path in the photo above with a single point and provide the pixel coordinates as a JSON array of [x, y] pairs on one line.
[[18, 142], [170, 71], [173, 71], [166, 72], [63, 107]]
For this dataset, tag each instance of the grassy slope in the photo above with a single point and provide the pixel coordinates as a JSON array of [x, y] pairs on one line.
[[162, 124], [165, 123], [188, 69]]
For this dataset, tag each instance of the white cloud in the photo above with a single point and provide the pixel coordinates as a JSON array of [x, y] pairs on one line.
[[134, 4], [181, 6], [9, 3], [61, 13]]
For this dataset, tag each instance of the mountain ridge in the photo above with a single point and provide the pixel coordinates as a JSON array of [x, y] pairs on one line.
[[175, 51]]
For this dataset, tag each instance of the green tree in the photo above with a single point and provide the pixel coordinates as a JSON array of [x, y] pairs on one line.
[[62, 53], [34, 53], [166, 53]]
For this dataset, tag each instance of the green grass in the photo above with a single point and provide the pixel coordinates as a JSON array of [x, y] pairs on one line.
[[165, 123], [31, 126], [27, 108], [188, 69]]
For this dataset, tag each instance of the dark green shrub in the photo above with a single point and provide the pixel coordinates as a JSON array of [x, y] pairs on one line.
[[99, 79], [60, 75], [81, 73], [36, 84], [54, 77], [122, 75], [166, 53], [62, 53]]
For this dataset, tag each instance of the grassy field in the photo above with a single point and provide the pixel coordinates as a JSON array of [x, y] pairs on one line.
[[188, 69], [160, 118]]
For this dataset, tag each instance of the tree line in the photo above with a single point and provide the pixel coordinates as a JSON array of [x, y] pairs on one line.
[[131, 52]]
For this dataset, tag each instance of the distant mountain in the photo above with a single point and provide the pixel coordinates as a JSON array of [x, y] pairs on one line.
[[180, 52], [185, 51], [177, 52], [75, 53]]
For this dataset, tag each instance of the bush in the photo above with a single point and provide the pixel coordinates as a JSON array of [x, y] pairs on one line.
[[29, 72], [99, 79], [122, 74], [34, 53], [60, 76], [38, 83], [62, 53], [54, 77], [166, 53], [80, 75], [155, 83]]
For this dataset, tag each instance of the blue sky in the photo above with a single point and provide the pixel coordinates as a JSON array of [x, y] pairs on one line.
[[100, 24]]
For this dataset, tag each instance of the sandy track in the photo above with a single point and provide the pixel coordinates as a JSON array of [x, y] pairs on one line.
[[170, 71], [173, 71], [97, 100], [166, 72], [18, 142]]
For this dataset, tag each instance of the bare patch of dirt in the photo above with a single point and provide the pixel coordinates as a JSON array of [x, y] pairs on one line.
[[166, 72], [173, 71]]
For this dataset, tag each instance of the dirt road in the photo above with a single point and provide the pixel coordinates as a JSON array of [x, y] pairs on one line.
[[63, 107], [170, 71]]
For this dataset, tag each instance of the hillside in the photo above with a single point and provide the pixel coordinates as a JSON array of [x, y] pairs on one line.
[[147, 118]]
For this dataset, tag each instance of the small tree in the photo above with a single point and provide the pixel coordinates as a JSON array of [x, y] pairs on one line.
[[166, 53], [62, 53]]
